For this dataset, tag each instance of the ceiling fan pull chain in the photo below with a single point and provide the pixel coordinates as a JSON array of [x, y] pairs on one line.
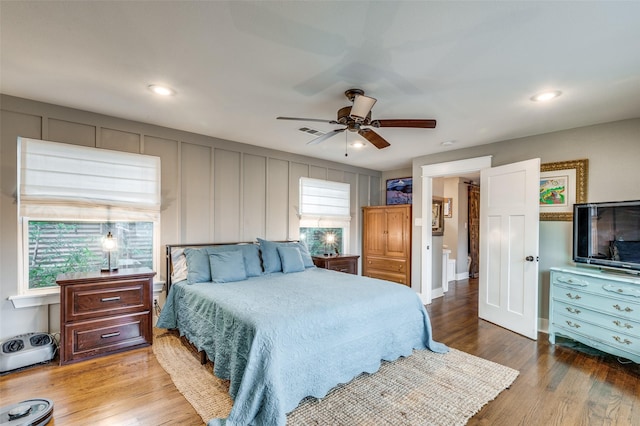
[[346, 144]]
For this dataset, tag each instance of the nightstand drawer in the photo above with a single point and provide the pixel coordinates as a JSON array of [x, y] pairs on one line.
[[343, 266], [346, 263], [95, 300], [92, 338]]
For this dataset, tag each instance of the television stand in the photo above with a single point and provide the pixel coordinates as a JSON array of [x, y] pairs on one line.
[[598, 309]]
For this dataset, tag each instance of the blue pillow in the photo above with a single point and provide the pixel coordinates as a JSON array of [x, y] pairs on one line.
[[198, 269], [291, 259], [227, 266], [271, 258], [250, 252]]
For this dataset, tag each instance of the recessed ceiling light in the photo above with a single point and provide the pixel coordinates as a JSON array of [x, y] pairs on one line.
[[161, 90], [447, 143], [358, 144], [546, 96]]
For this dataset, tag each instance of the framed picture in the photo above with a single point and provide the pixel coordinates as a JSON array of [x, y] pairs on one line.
[[562, 185], [448, 207], [399, 191], [437, 216]]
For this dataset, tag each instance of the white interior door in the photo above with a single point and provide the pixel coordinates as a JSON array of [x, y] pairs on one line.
[[509, 218]]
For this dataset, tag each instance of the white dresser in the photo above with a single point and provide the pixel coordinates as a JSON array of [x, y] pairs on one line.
[[599, 309]]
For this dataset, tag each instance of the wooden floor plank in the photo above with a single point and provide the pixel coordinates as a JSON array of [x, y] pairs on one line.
[[557, 385]]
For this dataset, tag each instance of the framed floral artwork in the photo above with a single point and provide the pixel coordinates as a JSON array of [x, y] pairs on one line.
[[562, 185]]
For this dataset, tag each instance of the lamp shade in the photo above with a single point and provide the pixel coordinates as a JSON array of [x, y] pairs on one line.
[[361, 107], [109, 243]]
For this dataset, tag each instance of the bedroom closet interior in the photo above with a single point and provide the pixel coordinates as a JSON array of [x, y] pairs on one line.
[[386, 239]]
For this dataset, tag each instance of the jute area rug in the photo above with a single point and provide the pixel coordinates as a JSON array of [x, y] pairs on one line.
[[423, 389]]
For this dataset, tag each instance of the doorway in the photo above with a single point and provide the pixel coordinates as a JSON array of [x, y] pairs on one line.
[[429, 274]]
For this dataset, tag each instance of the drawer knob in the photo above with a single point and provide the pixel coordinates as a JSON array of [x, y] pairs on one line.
[[619, 340], [110, 299], [625, 325], [572, 310], [106, 336], [571, 324], [571, 296], [627, 309]]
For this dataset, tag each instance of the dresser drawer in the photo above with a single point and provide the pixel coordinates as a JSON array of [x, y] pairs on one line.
[[385, 264], [620, 340], [87, 339], [600, 286], [612, 323], [623, 307], [385, 275], [116, 298]]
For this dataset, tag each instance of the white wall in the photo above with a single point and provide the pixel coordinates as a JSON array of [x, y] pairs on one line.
[[613, 151], [213, 190]]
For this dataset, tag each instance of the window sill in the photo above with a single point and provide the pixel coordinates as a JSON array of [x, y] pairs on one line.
[[52, 297], [36, 299]]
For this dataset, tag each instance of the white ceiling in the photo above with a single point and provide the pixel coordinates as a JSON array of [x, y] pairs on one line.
[[236, 66]]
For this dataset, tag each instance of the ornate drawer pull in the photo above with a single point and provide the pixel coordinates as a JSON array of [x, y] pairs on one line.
[[571, 324], [619, 324], [619, 340], [572, 281], [571, 296], [106, 336], [627, 309], [110, 299], [572, 310]]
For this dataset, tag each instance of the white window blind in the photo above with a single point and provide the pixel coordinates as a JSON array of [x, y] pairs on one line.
[[58, 180], [323, 199]]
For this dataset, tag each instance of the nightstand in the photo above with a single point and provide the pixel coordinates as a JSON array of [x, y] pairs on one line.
[[342, 263], [104, 312]]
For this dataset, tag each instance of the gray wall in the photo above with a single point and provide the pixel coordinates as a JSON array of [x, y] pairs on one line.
[[213, 190], [613, 151]]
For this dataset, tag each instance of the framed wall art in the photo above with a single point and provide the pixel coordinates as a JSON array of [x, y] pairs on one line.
[[562, 185], [437, 217], [399, 191]]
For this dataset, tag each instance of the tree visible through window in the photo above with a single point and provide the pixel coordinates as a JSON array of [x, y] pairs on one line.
[[319, 240], [57, 247]]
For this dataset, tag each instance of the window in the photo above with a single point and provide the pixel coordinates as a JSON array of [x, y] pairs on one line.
[[325, 215], [71, 196], [59, 247], [322, 240]]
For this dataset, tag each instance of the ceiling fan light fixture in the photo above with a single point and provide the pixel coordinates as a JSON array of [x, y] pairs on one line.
[[361, 107], [546, 96]]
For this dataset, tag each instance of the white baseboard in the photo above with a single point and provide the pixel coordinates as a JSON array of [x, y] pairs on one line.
[[543, 325], [462, 276]]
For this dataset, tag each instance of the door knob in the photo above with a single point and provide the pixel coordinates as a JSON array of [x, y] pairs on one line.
[[530, 258]]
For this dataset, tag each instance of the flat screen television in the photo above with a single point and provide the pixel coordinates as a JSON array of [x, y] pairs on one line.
[[607, 234]]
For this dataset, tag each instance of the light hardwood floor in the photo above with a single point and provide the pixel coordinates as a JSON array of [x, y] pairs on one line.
[[556, 385]]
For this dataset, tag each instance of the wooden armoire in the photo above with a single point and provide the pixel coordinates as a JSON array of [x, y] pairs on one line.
[[386, 240]]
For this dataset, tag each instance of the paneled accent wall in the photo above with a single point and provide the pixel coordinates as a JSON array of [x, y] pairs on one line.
[[213, 190]]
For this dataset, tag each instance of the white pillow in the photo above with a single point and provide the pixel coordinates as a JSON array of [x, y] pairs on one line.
[[179, 261]]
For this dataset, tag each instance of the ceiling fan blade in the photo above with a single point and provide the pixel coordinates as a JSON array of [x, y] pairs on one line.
[[319, 120], [375, 139], [325, 136], [422, 124]]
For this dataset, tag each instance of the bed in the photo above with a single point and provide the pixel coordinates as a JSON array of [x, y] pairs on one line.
[[282, 329]]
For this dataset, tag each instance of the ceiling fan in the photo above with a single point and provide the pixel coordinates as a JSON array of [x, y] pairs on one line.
[[357, 118]]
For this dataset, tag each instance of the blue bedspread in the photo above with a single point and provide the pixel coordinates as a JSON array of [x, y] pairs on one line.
[[281, 337]]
